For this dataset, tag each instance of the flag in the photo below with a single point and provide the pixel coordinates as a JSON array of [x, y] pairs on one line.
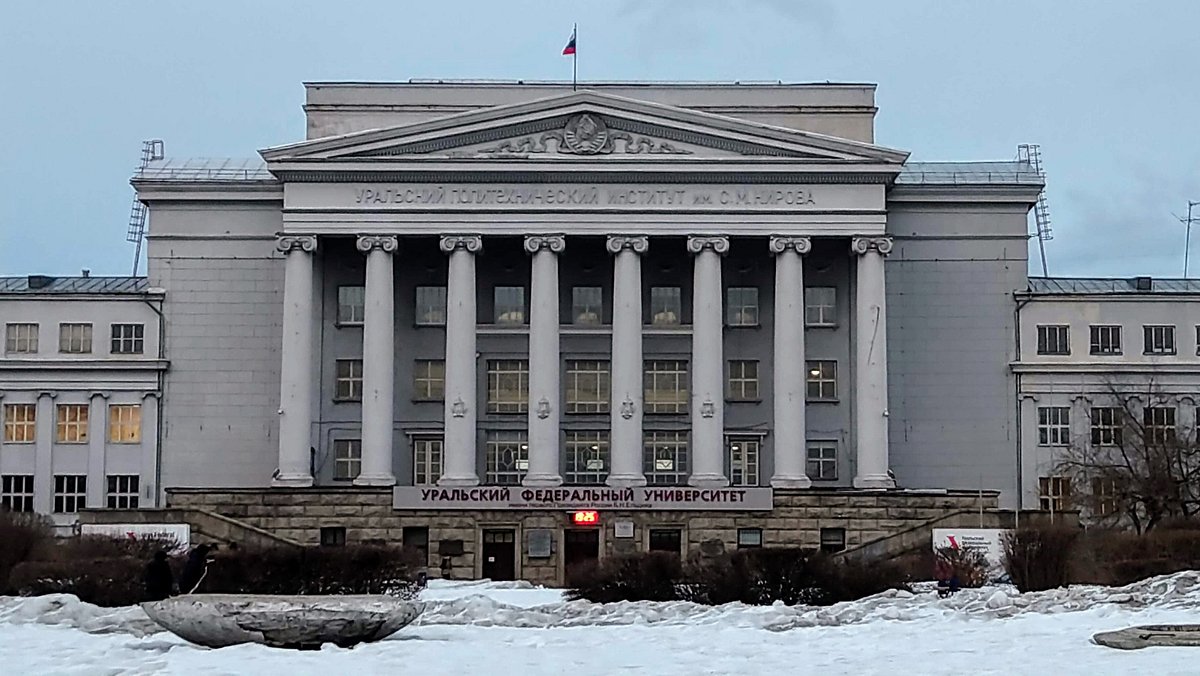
[[570, 48]]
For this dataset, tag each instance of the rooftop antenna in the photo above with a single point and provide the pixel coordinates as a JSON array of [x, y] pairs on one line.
[[1187, 238], [151, 150], [1032, 153]]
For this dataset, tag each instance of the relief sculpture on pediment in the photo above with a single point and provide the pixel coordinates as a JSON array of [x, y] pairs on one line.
[[584, 134]]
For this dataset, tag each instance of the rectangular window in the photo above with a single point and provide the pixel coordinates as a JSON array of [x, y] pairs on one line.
[[351, 304], [1054, 339], [743, 460], [1159, 422], [20, 423], [822, 462], [1198, 339], [833, 540], [749, 538], [16, 492], [122, 491], [586, 462], [1054, 493], [125, 423], [75, 338], [21, 338], [128, 338], [666, 540], [820, 306], [508, 386], [1104, 495], [507, 457], [333, 536], [427, 460], [666, 386], [72, 423], [70, 493], [587, 386], [349, 384], [666, 306], [587, 305], [347, 459], [822, 380], [1107, 426], [510, 305], [665, 458], [1159, 339], [1054, 425], [743, 380], [429, 380], [1105, 340], [741, 306], [431, 306]]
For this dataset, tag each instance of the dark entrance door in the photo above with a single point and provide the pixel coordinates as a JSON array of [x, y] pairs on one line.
[[499, 554], [580, 546]]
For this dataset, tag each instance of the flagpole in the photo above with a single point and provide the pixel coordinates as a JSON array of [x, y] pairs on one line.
[[575, 57]]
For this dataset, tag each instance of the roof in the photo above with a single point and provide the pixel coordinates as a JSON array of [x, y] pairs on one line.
[[501, 82], [37, 284], [1111, 285], [969, 173], [219, 169]]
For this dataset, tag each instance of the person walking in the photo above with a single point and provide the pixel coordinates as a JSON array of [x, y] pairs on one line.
[[195, 569], [159, 579]]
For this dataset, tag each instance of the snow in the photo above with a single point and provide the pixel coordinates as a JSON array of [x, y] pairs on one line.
[[486, 627]]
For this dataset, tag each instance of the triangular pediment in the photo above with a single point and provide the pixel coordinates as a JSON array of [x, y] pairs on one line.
[[585, 125]]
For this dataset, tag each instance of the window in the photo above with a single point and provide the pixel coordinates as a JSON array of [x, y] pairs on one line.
[[127, 338], [822, 380], [1054, 425], [431, 306], [587, 386], [1106, 340], [1054, 340], [1107, 425], [743, 380], [1159, 422], [333, 536], [75, 338], [72, 423], [666, 306], [665, 386], [1198, 339], [16, 492], [1054, 493], [749, 538], [429, 380], [70, 493], [21, 339], [507, 457], [833, 540], [820, 306], [665, 458], [1159, 339], [508, 386], [125, 423], [1104, 495], [20, 423], [122, 491], [666, 540], [427, 460], [347, 459], [741, 306], [349, 384], [587, 458], [351, 304], [587, 305], [822, 460], [510, 305], [743, 460]]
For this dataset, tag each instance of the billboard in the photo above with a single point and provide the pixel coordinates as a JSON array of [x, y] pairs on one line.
[[990, 541], [179, 532]]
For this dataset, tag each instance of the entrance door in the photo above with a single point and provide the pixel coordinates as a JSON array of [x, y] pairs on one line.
[[499, 554], [580, 546]]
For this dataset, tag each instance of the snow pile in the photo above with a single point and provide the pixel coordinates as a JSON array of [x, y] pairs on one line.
[[68, 611]]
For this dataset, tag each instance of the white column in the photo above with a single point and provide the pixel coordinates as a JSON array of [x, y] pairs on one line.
[[379, 368], [295, 375], [544, 393], [708, 364], [459, 450], [625, 438], [148, 484], [870, 363], [97, 482], [43, 473], [790, 443]]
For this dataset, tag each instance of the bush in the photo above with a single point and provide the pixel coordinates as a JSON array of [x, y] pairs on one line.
[[1118, 557], [1039, 558], [104, 582], [100, 547], [969, 565], [20, 535], [352, 569], [853, 579], [651, 576]]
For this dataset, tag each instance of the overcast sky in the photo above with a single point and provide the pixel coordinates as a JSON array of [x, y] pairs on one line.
[[1111, 91]]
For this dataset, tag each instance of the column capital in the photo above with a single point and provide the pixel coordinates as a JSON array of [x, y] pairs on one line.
[[638, 244], [47, 393], [552, 243], [99, 393], [782, 243], [863, 245], [696, 244], [468, 243], [385, 243], [290, 243]]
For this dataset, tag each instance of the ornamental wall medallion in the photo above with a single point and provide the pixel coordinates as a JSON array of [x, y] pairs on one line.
[[628, 408], [585, 134]]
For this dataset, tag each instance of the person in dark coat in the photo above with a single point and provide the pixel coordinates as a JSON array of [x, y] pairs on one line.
[[159, 579], [195, 569]]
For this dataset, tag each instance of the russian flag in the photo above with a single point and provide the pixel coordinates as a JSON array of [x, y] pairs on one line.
[[570, 48]]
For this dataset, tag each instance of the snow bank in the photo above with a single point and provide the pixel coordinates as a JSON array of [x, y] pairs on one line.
[[68, 611]]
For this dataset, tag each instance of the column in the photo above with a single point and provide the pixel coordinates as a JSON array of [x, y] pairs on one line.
[[870, 363], [148, 482], [295, 375], [43, 474], [97, 482], [544, 390], [790, 443], [459, 450], [625, 367], [379, 368], [708, 364]]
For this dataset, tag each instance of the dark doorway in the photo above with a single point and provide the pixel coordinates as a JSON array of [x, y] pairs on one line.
[[581, 546], [416, 538], [666, 540], [499, 554]]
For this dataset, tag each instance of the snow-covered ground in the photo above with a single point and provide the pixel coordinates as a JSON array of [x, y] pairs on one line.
[[519, 630]]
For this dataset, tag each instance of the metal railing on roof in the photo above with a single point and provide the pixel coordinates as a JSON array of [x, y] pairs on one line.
[[206, 169]]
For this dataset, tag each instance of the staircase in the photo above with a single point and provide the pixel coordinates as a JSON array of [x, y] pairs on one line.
[[919, 536], [205, 525]]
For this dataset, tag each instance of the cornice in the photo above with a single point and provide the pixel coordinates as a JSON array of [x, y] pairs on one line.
[[1105, 368], [84, 364]]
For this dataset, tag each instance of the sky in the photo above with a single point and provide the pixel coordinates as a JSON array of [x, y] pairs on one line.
[[1110, 90]]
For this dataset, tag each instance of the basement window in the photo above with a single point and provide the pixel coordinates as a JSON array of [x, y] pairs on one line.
[[333, 536]]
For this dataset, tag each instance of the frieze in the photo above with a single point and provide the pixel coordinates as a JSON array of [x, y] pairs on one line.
[[570, 498]]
